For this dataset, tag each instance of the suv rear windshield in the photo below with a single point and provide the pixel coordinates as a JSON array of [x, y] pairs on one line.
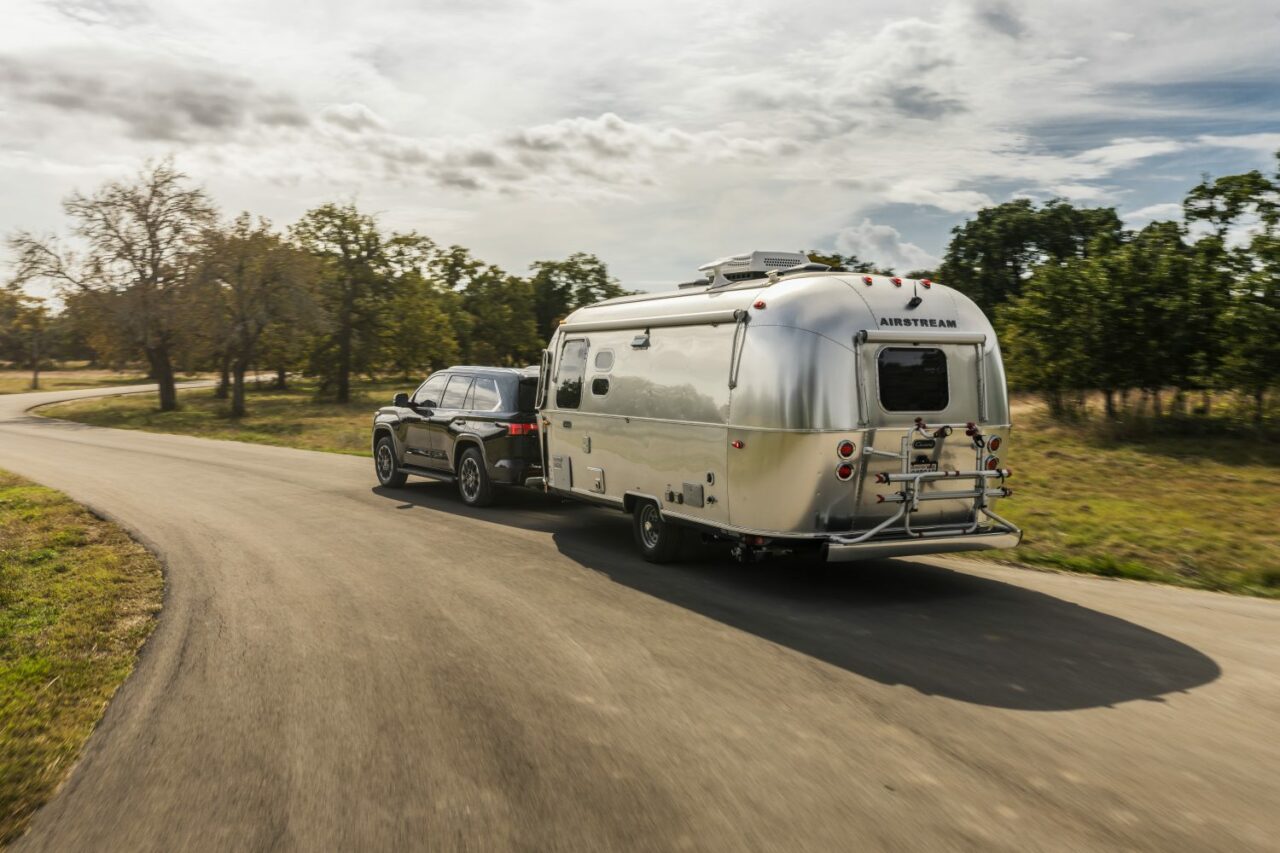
[[913, 379]]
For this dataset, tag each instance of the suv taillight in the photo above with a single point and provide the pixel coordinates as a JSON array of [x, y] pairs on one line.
[[521, 429]]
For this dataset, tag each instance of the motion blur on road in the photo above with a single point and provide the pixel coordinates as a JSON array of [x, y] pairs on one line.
[[340, 666]]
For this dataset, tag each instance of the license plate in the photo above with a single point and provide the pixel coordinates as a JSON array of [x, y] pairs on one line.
[[924, 467]]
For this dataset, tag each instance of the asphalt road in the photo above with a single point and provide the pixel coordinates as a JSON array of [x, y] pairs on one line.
[[343, 667]]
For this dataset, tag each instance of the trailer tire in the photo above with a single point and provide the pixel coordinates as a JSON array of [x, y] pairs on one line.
[[474, 486], [385, 464], [659, 541]]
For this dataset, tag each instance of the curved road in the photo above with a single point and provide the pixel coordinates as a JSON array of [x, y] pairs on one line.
[[342, 667]]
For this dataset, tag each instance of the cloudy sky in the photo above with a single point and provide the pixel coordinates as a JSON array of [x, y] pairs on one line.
[[659, 134]]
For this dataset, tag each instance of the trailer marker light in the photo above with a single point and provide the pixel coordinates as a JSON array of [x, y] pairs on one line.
[[993, 462], [927, 284], [846, 448], [866, 279], [844, 471], [897, 282], [759, 303], [737, 444], [993, 443]]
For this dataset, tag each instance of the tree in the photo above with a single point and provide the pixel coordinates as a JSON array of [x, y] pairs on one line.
[[498, 323], [991, 255], [848, 263], [420, 336], [353, 289], [560, 287], [258, 279], [140, 239]]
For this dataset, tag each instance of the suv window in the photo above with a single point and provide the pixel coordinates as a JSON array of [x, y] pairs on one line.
[[573, 364], [428, 395], [913, 379], [456, 394], [484, 395]]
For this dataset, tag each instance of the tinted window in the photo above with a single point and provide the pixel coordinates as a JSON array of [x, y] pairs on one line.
[[573, 364], [913, 379], [484, 395], [429, 394], [600, 386], [456, 394], [527, 394]]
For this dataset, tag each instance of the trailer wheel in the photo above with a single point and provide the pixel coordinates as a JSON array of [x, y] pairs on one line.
[[659, 541], [384, 457]]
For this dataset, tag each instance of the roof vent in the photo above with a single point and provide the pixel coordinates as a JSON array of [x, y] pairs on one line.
[[751, 265]]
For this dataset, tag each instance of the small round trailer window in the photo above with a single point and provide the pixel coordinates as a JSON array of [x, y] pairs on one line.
[[604, 359]]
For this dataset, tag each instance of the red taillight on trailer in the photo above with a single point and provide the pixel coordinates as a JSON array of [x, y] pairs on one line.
[[521, 429], [993, 462], [993, 443], [845, 449], [844, 471]]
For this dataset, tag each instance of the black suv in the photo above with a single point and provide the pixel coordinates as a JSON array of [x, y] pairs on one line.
[[473, 425]]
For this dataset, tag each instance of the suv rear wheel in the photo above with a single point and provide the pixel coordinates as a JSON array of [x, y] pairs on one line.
[[659, 541], [384, 461], [474, 484]]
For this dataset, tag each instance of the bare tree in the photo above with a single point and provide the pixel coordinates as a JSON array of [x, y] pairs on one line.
[[139, 241]]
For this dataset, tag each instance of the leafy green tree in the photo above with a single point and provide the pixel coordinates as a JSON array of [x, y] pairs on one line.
[[992, 255], [420, 335], [353, 290], [561, 287]]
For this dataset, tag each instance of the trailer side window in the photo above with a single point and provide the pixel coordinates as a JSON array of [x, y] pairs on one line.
[[913, 379], [573, 367]]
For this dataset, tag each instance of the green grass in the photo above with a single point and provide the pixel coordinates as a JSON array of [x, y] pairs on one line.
[[77, 599], [1193, 511], [291, 418], [19, 381], [1196, 511]]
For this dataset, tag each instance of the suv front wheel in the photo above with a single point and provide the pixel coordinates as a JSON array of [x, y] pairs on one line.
[[384, 461], [474, 484]]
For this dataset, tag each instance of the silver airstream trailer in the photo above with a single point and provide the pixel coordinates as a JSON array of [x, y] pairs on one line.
[[784, 407]]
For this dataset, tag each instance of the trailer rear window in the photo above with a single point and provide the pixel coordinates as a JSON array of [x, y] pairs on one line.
[[913, 379]]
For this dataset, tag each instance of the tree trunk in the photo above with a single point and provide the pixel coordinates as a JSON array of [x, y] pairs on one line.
[[1257, 405], [224, 382], [35, 362], [237, 390], [1109, 395], [1207, 398], [162, 373], [344, 368], [1157, 406], [282, 378]]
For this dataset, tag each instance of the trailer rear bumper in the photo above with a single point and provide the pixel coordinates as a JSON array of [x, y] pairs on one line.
[[836, 551]]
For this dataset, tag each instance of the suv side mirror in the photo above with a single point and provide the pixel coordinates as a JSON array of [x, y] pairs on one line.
[[401, 400]]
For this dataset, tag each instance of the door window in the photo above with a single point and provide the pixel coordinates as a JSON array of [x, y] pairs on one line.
[[573, 366], [913, 379], [456, 393], [428, 395]]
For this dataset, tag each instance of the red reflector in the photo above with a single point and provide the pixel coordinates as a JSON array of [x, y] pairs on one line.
[[845, 449], [993, 462], [897, 282], [736, 444], [866, 279], [993, 443], [844, 471], [759, 303], [521, 429]]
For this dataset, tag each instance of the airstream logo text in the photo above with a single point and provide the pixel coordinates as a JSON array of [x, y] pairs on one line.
[[917, 322]]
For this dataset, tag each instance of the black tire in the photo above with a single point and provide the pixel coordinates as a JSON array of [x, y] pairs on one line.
[[659, 541], [474, 485], [385, 464]]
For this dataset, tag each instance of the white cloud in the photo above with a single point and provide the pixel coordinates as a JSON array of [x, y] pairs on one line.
[[657, 134], [1154, 212], [883, 244]]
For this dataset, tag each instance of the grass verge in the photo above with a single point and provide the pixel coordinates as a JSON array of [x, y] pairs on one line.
[[77, 599], [19, 381], [1193, 511]]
